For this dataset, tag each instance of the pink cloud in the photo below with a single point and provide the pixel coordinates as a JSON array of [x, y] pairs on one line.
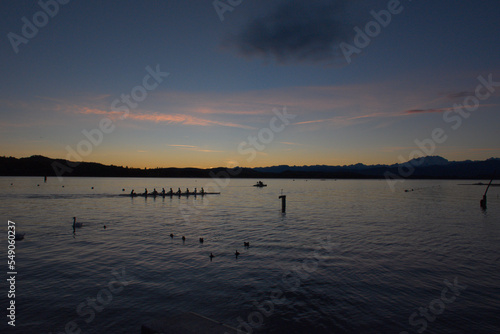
[[160, 118], [439, 110], [426, 111], [182, 119]]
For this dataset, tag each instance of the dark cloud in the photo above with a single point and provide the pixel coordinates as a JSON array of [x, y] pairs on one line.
[[296, 31]]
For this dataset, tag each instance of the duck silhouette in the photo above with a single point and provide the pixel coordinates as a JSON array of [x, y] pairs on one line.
[[19, 236], [75, 224]]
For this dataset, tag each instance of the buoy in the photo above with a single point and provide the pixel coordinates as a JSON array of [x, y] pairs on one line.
[[483, 203]]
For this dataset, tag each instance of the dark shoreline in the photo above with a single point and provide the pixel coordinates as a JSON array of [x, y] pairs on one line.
[[463, 170]]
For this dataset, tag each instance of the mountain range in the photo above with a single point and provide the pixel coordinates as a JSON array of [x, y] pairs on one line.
[[430, 167]]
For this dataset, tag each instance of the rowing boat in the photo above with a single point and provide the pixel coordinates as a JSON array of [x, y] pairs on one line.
[[169, 194]]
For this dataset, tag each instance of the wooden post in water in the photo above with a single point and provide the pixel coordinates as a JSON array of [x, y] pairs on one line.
[[483, 201], [283, 203]]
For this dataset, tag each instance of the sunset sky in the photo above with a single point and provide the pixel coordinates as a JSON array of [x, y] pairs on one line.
[[69, 69]]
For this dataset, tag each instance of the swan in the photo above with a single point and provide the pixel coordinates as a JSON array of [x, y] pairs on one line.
[[75, 224]]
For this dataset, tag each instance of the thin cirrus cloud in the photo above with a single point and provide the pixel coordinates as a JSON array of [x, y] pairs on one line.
[[303, 100], [245, 110], [440, 110], [98, 105], [244, 106], [211, 103], [161, 118], [183, 146], [348, 103], [426, 111], [193, 148], [349, 120], [261, 102], [334, 105]]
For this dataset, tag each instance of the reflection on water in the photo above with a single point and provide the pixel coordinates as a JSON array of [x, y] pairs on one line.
[[349, 256]]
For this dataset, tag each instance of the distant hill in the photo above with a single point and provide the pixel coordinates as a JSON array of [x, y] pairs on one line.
[[429, 161], [430, 167]]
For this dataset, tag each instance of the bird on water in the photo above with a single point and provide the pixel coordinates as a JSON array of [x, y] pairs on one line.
[[75, 224], [236, 253]]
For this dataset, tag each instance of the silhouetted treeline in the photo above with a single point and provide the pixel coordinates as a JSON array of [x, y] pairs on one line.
[[423, 168]]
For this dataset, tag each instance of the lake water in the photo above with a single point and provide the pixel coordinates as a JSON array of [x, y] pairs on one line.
[[349, 256]]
